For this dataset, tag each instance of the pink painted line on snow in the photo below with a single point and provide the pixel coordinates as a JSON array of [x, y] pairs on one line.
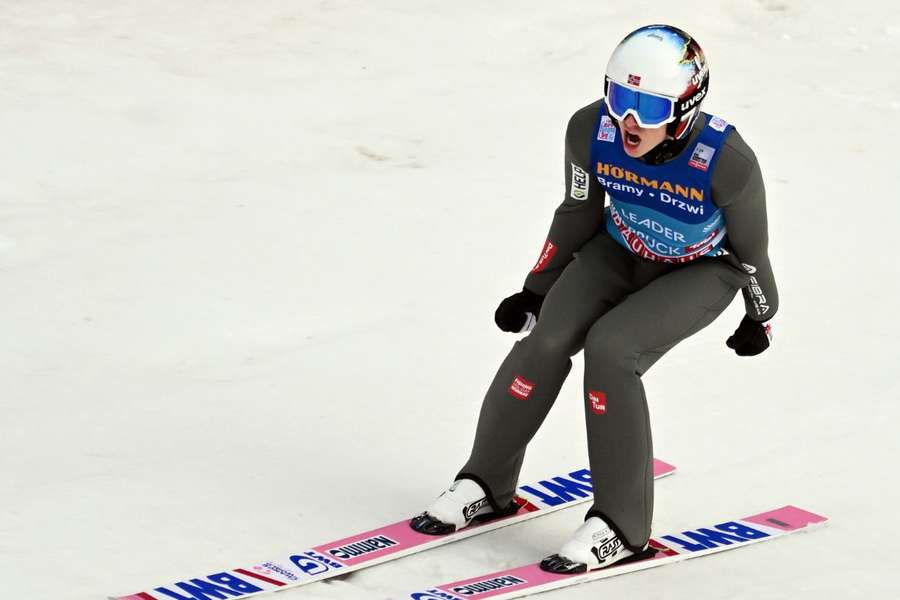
[[786, 518], [141, 596]]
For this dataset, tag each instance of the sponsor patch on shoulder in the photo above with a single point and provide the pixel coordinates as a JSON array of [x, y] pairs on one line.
[[580, 183], [701, 157], [718, 123], [607, 130]]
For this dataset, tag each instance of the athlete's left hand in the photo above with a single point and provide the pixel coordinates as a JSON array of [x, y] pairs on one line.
[[751, 337]]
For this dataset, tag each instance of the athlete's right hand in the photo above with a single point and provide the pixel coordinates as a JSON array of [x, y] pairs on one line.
[[519, 312]]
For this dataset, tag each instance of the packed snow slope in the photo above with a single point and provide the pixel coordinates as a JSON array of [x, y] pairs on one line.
[[250, 254]]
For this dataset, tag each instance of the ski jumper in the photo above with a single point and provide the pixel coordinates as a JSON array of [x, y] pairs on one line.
[[626, 282]]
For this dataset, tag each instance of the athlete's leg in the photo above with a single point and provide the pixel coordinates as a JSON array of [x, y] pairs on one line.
[[620, 346], [528, 381]]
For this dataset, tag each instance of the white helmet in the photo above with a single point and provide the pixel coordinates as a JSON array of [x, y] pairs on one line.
[[663, 61]]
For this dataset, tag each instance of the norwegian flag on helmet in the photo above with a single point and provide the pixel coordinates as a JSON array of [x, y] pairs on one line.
[[634, 79]]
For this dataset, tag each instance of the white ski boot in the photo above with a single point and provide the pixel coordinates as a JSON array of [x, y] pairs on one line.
[[455, 509], [594, 546]]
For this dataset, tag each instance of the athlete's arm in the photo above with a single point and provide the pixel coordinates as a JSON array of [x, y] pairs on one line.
[[739, 191], [580, 216]]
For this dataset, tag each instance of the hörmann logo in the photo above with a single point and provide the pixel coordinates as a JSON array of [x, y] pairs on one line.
[[666, 186]]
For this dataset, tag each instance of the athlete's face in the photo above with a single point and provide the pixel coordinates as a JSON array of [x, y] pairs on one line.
[[638, 140]]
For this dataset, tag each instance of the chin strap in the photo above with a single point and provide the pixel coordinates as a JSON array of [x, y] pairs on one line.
[[666, 150], [669, 148]]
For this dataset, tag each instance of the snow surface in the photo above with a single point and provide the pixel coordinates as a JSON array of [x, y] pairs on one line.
[[250, 253]]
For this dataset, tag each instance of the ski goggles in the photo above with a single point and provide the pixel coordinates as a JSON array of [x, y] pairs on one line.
[[649, 110]]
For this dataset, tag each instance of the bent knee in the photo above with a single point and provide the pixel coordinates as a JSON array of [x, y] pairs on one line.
[[555, 343], [609, 344]]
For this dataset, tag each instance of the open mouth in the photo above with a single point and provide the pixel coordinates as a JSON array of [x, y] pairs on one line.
[[632, 140]]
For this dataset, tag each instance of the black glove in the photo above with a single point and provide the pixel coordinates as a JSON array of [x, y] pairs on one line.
[[519, 312], [751, 337]]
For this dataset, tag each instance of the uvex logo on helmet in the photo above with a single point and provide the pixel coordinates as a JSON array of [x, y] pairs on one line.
[[693, 100], [698, 77]]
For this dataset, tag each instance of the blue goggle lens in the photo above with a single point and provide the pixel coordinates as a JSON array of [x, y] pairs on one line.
[[651, 110]]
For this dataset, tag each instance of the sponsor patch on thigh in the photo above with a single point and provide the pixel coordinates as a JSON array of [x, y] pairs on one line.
[[598, 402]]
